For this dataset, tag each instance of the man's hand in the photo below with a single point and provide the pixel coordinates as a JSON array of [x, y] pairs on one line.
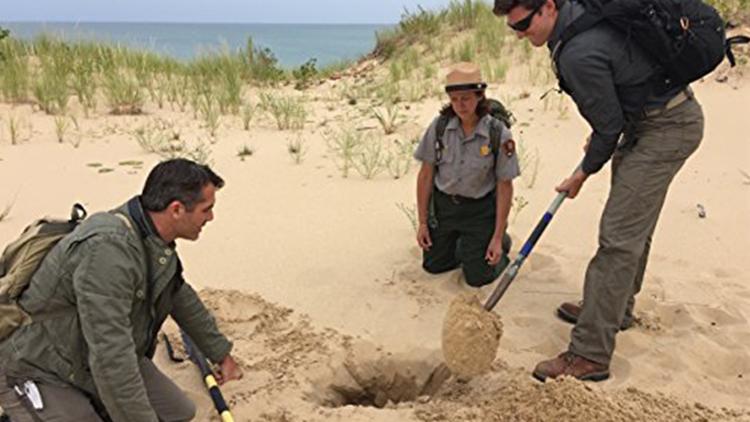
[[423, 237], [494, 250], [572, 185], [228, 370]]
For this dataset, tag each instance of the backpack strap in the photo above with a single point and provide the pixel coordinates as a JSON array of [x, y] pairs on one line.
[[592, 15], [77, 214], [440, 127], [496, 139], [737, 39]]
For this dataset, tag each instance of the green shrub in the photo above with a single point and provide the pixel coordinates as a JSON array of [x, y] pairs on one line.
[[305, 74]]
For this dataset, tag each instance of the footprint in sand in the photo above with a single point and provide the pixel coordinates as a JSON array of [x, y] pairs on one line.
[[620, 369], [548, 343], [723, 273], [540, 262], [717, 316], [689, 316]]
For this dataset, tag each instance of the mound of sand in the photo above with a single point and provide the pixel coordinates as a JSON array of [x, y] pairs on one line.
[[471, 337], [510, 395]]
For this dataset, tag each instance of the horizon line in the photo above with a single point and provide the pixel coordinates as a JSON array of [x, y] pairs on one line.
[[2, 21]]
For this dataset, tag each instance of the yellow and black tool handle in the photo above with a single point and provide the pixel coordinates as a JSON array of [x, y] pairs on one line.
[[208, 378]]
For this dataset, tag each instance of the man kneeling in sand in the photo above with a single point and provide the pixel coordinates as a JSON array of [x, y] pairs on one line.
[[111, 284]]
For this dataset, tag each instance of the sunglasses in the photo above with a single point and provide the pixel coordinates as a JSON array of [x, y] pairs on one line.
[[524, 24]]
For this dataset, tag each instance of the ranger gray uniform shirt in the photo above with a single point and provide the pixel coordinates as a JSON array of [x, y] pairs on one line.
[[608, 78], [467, 162]]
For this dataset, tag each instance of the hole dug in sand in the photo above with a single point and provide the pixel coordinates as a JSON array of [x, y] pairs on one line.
[[471, 337], [372, 378]]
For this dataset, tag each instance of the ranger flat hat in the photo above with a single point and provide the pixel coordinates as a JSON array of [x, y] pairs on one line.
[[464, 76]]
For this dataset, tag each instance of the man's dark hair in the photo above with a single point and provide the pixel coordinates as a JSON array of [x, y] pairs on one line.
[[177, 180], [503, 7], [483, 107]]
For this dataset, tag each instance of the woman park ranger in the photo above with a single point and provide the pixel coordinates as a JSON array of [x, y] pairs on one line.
[[464, 186]]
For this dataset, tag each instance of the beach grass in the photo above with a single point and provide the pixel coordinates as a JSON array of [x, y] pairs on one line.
[[288, 112], [297, 148], [344, 145], [245, 151], [371, 158]]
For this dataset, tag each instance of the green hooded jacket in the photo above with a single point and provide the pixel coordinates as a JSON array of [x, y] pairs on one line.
[[98, 300]]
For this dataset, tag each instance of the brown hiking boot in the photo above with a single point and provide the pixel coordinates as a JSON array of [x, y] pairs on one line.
[[569, 312], [568, 363]]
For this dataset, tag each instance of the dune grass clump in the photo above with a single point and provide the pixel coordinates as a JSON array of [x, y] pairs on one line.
[[334, 68], [14, 129], [413, 26], [289, 112], [389, 117], [62, 124], [463, 15], [344, 145], [529, 163], [123, 93], [15, 73], [245, 151], [227, 70], [387, 91], [248, 111], [463, 52], [371, 158], [518, 204], [297, 148], [410, 212], [200, 151], [210, 115], [150, 138], [421, 23], [83, 82], [159, 137], [399, 159]]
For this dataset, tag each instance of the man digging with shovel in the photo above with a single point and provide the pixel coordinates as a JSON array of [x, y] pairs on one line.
[[644, 117]]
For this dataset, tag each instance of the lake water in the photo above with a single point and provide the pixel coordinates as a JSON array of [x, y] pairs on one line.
[[292, 44]]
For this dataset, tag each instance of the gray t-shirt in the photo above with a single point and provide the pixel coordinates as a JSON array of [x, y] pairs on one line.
[[467, 163]]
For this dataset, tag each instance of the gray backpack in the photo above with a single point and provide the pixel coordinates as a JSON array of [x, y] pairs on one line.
[[22, 257]]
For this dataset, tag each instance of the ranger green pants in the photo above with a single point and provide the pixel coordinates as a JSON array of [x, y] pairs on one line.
[[641, 175], [463, 232], [63, 404]]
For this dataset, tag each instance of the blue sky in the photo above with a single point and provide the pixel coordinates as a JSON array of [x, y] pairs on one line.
[[266, 11]]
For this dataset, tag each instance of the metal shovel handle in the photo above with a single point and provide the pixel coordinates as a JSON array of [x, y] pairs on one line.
[[512, 270]]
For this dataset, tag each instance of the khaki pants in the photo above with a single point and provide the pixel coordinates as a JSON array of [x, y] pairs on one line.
[[62, 404], [641, 176]]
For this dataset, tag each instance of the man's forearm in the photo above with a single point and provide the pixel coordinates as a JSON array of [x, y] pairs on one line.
[[600, 150], [193, 317]]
